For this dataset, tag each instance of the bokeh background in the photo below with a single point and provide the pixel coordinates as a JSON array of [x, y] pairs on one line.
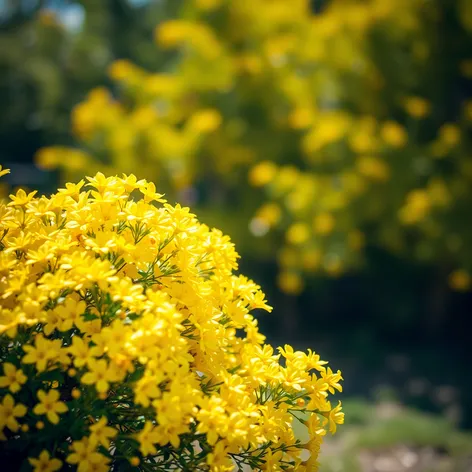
[[331, 139]]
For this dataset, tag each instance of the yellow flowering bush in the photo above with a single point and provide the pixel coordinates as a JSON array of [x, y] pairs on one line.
[[128, 342], [331, 114]]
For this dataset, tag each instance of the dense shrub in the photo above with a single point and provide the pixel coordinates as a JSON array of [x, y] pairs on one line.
[[128, 342]]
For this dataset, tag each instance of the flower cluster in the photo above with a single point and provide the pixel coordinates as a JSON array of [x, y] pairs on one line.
[[128, 342], [344, 147]]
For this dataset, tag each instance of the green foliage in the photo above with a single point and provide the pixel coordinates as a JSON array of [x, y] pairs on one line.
[[48, 63]]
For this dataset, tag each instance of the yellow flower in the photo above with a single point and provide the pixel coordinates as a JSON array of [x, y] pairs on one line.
[[416, 208], [269, 213], [147, 438], [323, 223], [147, 389], [394, 134], [99, 375], [298, 233], [47, 158], [290, 282], [3, 171], [205, 121], [9, 412], [121, 69], [460, 280], [85, 456], [80, 352], [40, 354], [45, 463], [301, 118], [439, 192], [72, 190], [13, 379], [70, 313], [172, 32], [373, 168], [314, 426], [311, 259], [101, 433], [262, 174], [329, 128], [335, 417], [22, 198], [212, 419], [312, 465], [50, 405], [332, 379], [219, 460], [450, 134], [273, 461], [148, 189], [417, 107]]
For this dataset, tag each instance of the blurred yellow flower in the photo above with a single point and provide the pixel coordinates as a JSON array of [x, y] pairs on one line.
[[416, 208], [290, 283], [13, 378], [460, 280], [311, 259], [288, 257], [172, 32], [298, 233], [205, 121], [271, 213], [323, 223], [50, 405], [301, 117], [417, 107], [121, 69], [262, 174], [394, 134], [373, 168], [47, 158], [286, 178], [3, 171], [9, 412], [45, 463], [329, 128], [450, 134], [438, 192]]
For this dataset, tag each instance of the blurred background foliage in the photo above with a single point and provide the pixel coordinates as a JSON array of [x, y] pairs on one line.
[[331, 139]]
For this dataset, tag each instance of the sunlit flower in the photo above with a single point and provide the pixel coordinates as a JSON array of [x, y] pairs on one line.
[[45, 463], [50, 405], [13, 378], [9, 412]]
